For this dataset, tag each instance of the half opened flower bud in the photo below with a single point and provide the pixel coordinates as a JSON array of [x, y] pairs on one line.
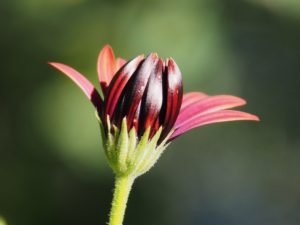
[[143, 108], [145, 96]]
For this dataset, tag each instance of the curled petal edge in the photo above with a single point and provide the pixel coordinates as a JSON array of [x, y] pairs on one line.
[[215, 117], [209, 104]]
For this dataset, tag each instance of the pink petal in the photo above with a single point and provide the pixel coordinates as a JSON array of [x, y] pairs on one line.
[[215, 117], [207, 105], [190, 98], [105, 66], [118, 64], [85, 85]]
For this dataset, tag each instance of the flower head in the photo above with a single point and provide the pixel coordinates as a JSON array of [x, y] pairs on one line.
[[143, 107]]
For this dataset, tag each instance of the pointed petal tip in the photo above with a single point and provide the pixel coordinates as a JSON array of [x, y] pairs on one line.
[[244, 115], [172, 66], [105, 66], [255, 118], [107, 47], [69, 71], [153, 56], [141, 57], [138, 58], [54, 64], [169, 59], [160, 63], [234, 99], [106, 51]]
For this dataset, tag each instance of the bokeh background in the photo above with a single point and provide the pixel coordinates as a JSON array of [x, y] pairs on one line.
[[52, 166]]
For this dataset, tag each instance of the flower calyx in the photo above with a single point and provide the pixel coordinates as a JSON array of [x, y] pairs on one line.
[[127, 153]]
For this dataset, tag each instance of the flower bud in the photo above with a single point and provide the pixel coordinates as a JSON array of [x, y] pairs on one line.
[[145, 97], [148, 93]]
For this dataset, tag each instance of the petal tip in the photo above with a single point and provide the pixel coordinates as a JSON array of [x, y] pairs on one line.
[[255, 118], [107, 47], [53, 64], [153, 56]]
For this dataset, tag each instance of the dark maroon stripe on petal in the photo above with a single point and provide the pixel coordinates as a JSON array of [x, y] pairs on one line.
[[136, 87], [155, 127], [135, 121], [173, 91], [116, 117], [215, 117], [118, 84], [152, 100]]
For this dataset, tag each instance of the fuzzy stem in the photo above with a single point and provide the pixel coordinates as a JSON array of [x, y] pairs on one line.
[[123, 186]]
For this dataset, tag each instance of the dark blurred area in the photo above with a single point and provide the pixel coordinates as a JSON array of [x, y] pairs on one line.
[[52, 166]]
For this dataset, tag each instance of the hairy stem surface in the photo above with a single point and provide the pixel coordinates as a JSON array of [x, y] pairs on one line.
[[123, 186]]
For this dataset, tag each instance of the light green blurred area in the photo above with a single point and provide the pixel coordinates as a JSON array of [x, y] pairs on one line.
[[68, 122], [52, 165], [2, 221]]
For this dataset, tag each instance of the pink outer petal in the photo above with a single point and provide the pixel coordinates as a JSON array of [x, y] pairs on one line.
[[85, 85], [118, 64], [191, 98], [207, 105], [105, 66], [215, 117]]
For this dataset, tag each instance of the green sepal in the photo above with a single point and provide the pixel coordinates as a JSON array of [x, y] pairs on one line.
[[108, 144], [132, 145], [139, 151], [155, 155], [122, 147], [149, 150], [126, 153]]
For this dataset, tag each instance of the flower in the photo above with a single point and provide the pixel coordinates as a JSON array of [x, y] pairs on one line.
[[143, 107]]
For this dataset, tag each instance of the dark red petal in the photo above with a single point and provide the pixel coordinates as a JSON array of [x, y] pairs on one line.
[[152, 100], [215, 117], [118, 84], [135, 121], [207, 105], [173, 91], [155, 128], [85, 85], [136, 87], [105, 66]]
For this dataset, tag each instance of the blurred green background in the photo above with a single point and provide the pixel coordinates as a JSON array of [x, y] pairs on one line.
[[52, 167]]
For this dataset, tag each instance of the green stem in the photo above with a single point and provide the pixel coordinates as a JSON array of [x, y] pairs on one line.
[[123, 186]]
